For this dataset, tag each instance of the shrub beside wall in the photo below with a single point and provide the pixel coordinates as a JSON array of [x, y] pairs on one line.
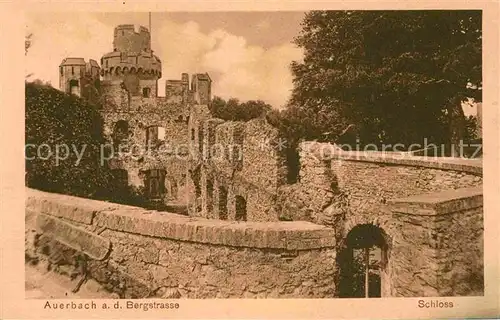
[[57, 123]]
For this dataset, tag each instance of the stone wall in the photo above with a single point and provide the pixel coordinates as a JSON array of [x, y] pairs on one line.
[[437, 244], [334, 182], [263, 163], [239, 169], [434, 250], [433, 247], [228, 151], [170, 153], [137, 253]]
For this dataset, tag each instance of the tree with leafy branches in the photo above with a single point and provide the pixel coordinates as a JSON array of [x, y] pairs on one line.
[[390, 76]]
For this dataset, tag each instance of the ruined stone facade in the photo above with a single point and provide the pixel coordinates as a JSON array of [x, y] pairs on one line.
[[149, 134], [251, 233]]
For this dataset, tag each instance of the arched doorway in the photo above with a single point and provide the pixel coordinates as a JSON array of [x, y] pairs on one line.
[[362, 262], [74, 87], [154, 183]]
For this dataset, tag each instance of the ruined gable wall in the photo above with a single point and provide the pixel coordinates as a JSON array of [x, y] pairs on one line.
[[240, 162], [263, 168], [172, 155]]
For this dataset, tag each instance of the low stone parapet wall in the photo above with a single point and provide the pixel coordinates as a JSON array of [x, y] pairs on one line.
[[138, 253]]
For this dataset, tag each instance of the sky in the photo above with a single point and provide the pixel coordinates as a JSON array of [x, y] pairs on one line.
[[247, 54]]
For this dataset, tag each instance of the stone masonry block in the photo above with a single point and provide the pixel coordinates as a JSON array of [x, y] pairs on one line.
[[74, 237]]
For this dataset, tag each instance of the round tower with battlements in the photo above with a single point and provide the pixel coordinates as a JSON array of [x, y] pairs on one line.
[[131, 66]]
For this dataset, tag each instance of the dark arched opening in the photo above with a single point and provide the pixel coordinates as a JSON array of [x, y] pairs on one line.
[[155, 183], [362, 262], [146, 92], [222, 203], [241, 208], [74, 87], [210, 195]]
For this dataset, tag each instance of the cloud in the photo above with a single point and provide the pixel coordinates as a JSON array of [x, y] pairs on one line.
[[57, 36], [237, 69]]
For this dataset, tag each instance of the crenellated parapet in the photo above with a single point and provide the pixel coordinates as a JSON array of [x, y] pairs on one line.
[[131, 38], [117, 64], [132, 65]]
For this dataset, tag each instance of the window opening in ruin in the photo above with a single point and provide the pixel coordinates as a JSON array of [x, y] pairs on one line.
[[222, 203], [200, 140], [362, 262], [155, 135], [155, 183], [241, 208], [292, 164], [72, 70], [146, 92], [210, 195], [192, 134], [61, 70], [73, 86]]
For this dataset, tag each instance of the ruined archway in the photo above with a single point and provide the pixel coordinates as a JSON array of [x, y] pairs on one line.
[[362, 262]]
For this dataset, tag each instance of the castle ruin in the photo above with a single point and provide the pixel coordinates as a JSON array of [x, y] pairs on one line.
[[250, 232]]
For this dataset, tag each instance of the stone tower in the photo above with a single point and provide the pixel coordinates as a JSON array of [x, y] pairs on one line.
[[131, 67], [201, 87], [80, 78]]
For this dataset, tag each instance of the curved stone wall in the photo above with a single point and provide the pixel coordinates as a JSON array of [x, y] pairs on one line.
[[138, 253], [355, 182], [430, 209]]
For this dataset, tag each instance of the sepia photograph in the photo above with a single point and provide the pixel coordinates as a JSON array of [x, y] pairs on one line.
[[190, 155], [250, 162]]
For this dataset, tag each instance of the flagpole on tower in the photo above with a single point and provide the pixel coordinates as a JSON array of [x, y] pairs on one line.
[[149, 22]]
